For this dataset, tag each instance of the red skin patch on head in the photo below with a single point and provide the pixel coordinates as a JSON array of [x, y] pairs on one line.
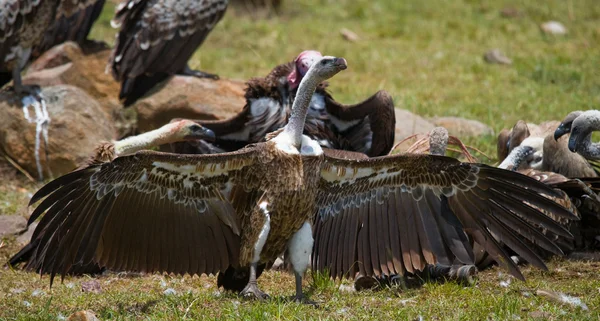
[[302, 64]]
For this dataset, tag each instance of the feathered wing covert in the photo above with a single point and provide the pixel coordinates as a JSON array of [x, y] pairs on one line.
[[391, 215], [181, 213]]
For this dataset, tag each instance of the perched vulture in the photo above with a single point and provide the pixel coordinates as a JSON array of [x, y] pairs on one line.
[[204, 213], [183, 130], [75, 28], [367, 127], [157, 38], [532, 146], [22, 27], [581, 125]]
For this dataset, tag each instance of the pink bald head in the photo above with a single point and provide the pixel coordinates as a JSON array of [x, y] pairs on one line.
[[302, 63]]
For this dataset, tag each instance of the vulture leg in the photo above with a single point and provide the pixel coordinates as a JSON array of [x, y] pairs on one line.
[[299, 249], [187, 71], [24, 89], [252, 290]]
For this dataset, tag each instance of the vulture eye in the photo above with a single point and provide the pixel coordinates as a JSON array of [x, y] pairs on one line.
[[195, 127]]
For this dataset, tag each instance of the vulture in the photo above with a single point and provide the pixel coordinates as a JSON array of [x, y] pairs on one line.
[[72, 28], [156, 39], [183, 130], [533, 146], [200, 214], [581, 125], [548, 160], [367, 127], [22, 27]]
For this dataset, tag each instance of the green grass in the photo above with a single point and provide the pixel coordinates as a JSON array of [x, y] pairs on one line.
[[428, 55]]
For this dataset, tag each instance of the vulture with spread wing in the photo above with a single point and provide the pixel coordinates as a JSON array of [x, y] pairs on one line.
[[204, 213], [157, 38], [183, 130], [367, 127]]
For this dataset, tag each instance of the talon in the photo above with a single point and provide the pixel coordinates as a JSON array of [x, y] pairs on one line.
[[253, 292], [304, 300]]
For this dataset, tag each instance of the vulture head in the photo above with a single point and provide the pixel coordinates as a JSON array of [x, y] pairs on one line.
[[187, 130], [565, 125], [301, 65]]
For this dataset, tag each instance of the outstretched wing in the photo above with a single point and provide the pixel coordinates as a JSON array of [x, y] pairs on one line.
[[389, 215], [146, 212], [369, 126]]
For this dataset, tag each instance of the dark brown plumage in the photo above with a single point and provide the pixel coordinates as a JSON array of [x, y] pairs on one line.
[[72, 28], [22, 27], [367, 127], [204, 213], [105, 152], [157, 38]]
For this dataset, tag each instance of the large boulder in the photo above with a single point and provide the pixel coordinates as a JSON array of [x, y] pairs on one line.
[[190, 97], [77, 125], [462, 127], [11, 225], [408, 124], [66, 64]]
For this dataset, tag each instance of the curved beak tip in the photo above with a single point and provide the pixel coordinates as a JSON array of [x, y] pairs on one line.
[[342, 63]]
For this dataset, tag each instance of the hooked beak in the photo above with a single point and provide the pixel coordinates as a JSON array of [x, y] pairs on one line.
[[341, 63], [572, 143], [561, 131], [202, 133]]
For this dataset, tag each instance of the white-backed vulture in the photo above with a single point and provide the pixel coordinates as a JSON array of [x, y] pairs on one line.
[[539, 150], [581, 125], [204, 213], [156, 39]]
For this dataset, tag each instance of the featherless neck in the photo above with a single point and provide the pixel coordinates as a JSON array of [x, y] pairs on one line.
[[516, 157], [143, 141], [304, 94]]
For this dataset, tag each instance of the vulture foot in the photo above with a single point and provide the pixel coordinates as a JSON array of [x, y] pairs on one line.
[[252, 291], [41, 120], [187, 71], [304, 300], [463, 274], [29, 90]]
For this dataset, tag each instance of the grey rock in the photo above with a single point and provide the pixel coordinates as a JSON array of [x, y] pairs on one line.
[[12, 225], [554, 28], [408, 124], [25, 237], [461, 127], [77, 124], [495, 56]]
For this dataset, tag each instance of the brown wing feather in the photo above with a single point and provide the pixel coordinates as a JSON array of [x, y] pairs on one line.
[[377, 126], [160, 36], [145, 212], [411, 190]]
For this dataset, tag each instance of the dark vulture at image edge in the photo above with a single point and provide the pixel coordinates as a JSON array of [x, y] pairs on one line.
[[204, 213], [22, 27], [156, 39], [74, 28]]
